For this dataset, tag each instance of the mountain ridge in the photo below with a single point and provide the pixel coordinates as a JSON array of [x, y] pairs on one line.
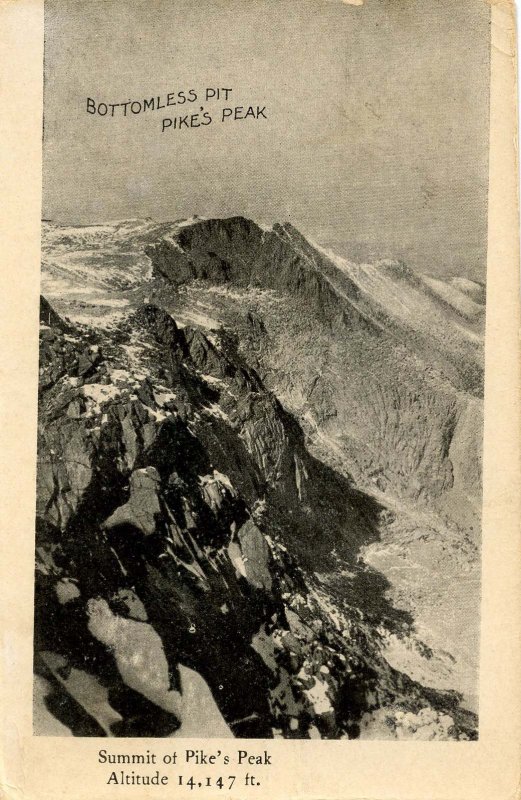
[[371, 395]]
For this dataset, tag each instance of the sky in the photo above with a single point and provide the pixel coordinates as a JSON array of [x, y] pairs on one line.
[[375, 140]]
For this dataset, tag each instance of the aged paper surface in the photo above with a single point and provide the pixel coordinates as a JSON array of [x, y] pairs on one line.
[[262, 563]]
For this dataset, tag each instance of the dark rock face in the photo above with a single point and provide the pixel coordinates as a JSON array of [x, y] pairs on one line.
[[237, 251], [49, 317], [179, 520]]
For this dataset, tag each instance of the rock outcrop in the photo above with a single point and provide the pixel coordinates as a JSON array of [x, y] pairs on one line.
[[179, 521]]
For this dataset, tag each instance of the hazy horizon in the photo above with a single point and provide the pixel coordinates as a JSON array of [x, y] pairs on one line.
[[376, 137]]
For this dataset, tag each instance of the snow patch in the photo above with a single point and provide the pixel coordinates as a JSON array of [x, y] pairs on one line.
[[216, 411], [212, 380], [100, 392], [194, 318]]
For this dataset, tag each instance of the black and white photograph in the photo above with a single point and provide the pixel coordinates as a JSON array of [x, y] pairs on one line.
[[261, 369]]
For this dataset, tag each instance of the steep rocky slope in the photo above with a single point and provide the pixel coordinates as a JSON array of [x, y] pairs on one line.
[[278, 496]]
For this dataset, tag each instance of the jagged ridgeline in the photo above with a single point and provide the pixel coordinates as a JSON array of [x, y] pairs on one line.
[[258, 488]]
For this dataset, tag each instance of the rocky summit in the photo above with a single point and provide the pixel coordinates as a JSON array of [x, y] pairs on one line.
[[259, 488]]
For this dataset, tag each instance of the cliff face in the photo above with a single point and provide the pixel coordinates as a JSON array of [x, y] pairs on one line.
[[206, 489], [373, 356], [236, 251]]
